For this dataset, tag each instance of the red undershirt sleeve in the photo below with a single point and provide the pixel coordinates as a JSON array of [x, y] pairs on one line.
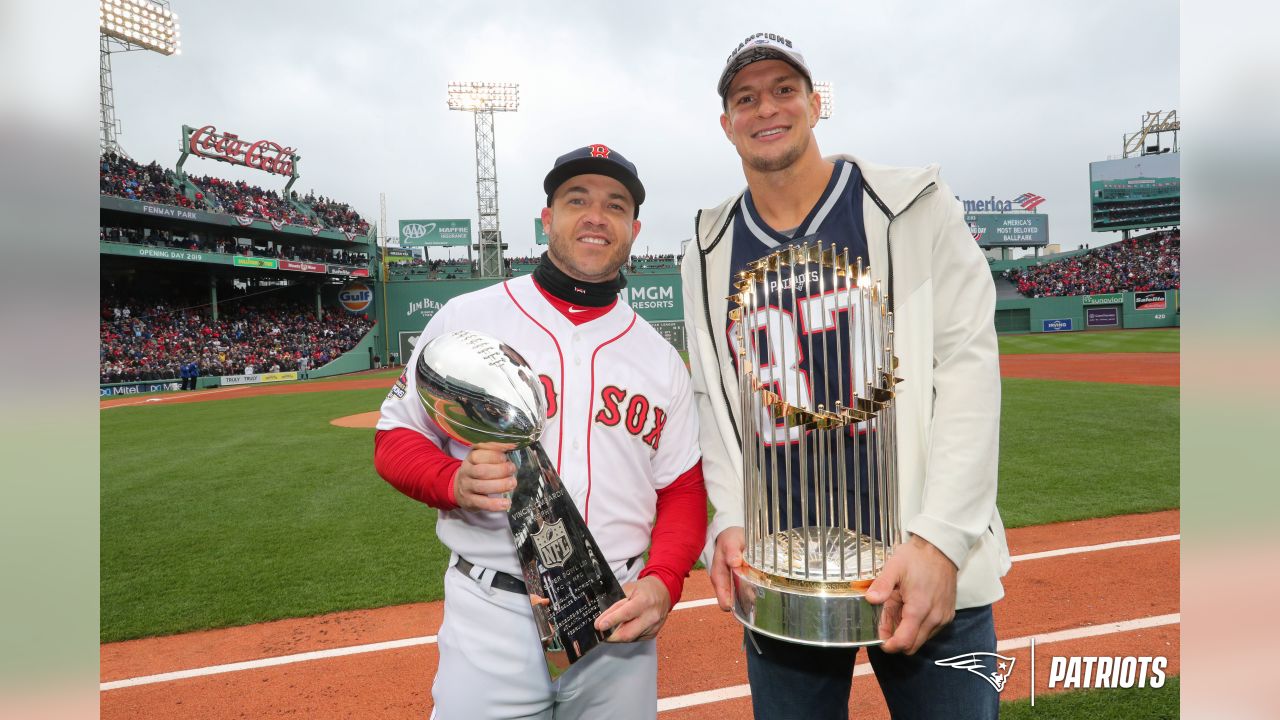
[[416, 467], [679, 531]]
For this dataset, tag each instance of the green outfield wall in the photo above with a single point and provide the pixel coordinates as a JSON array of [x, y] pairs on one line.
[[658, 299], [1113, 311], [411, 302]]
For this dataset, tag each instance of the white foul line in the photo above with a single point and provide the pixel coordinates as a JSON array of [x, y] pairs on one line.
[[269, 662], [1095, 548], [739, 691], [686, 605]]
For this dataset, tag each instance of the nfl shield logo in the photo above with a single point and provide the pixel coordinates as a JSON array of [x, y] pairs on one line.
[[553, 544]]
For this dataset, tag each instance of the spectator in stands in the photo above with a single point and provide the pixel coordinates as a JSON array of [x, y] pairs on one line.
[[1148, 262], [123, 177], [141, 341]]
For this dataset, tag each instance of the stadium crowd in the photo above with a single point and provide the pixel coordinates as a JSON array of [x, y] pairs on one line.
[[336, 214], [667, 259], [240, 198], [123, 177], [1147, 262], [152, 340]]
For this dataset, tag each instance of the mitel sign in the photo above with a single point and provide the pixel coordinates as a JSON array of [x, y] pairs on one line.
[[355, 297]]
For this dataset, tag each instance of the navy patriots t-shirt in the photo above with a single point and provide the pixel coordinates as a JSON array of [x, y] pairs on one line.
[[796, 350]]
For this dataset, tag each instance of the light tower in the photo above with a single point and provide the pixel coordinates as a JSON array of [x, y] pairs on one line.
[[484, 99], [828, 95], [124, 26]]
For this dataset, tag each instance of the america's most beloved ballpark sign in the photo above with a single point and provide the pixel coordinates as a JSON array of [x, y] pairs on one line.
[[1009, 229], [423, 233], [265, 155]]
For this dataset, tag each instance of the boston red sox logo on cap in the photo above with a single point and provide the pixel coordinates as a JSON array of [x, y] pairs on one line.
[[594, 159]]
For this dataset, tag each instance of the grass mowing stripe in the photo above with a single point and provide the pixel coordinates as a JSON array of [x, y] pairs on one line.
[[1114, 704], [1109, 341], [235, 512], [240, 511], [1071, 451]]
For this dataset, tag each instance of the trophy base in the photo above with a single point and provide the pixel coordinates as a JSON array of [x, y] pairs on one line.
[[820, 614]]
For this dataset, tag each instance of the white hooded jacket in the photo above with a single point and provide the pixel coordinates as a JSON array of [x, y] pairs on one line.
[[948, 406]]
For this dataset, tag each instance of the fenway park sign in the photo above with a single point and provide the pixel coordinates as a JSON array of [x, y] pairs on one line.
[[265, 155]]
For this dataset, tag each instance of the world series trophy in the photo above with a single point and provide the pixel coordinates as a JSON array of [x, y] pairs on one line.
[[820, 504], [478, 389]]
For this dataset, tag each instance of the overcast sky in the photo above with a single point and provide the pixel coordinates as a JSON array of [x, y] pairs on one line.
[[1009, 97]]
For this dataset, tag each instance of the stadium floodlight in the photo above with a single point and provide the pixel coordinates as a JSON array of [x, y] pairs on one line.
[[142, 24], [123, 26], [827, 93], [481, 96], [483, 99]]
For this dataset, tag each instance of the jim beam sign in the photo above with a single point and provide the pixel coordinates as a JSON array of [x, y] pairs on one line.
[[265, 155]]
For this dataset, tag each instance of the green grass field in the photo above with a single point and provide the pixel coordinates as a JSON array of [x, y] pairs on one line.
[[1159, 340], [226, 513], [1072, 450], [1113, 704]]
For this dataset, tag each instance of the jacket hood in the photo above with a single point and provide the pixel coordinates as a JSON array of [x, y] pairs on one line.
[[893, 188]]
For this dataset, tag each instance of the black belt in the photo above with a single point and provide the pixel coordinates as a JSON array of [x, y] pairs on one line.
[[507, 581], [501, 580]]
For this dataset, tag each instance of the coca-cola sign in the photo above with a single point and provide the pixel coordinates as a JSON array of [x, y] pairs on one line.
[[263, 155]]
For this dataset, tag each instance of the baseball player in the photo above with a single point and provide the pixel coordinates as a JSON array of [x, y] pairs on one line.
[[622, 432], [937, 588]]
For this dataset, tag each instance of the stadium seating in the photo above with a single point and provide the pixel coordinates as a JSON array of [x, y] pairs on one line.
[[150, 339], [123, 177], [1147, 262]]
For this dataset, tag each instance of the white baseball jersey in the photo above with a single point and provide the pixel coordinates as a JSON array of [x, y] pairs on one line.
[[620, 419]]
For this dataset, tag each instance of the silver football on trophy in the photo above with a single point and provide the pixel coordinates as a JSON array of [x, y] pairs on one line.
[[478, 389]]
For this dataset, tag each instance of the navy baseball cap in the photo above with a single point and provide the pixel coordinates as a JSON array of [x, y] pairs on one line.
[[594, 160], [757, 47]]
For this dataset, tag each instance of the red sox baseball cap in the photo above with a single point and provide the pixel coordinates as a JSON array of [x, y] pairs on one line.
[[595, 160], [761, 46]]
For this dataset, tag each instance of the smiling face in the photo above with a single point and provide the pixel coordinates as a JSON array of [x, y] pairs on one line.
[[590, 227], [769, 115]]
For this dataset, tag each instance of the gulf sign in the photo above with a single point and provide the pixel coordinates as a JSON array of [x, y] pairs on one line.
[[355, 297]]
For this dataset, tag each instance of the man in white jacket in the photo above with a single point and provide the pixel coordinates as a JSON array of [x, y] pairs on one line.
[[937, 589]]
